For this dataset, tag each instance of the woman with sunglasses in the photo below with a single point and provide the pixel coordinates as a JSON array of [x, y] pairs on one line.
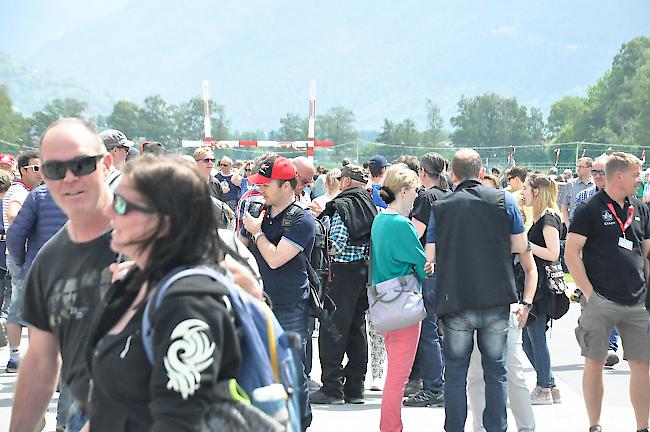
[[162, 218]]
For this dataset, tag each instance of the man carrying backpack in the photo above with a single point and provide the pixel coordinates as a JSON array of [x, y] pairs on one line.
[[352, 213], [277, 242]]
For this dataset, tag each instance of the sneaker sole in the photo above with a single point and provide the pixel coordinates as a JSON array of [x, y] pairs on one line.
[[542, 402], [423, 404]]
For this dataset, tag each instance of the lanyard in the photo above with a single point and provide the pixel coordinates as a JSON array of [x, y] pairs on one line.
[[630, 217]]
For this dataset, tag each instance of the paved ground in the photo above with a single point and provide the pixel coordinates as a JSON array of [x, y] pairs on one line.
[[568, 416]]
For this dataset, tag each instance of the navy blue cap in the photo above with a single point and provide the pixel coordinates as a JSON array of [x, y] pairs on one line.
[[378, 160]]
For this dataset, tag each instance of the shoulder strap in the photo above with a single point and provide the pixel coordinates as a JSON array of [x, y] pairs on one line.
[[290, 215], [156, 299]]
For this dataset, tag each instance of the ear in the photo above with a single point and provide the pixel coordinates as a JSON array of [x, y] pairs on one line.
[[535, 191], [108, 161], [166, 226]]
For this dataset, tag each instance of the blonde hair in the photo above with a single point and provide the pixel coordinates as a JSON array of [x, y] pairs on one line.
[[201, 153], [546, 198], [397, 176], [619, 162], [331, 178]]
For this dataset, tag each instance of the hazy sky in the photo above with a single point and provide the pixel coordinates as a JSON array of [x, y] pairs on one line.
[[379, 58]]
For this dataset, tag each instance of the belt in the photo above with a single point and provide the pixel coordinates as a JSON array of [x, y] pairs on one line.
[[356, 263]]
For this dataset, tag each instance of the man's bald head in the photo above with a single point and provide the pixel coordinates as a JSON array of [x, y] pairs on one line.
[[305, 171], [466, 164], [77, 127]]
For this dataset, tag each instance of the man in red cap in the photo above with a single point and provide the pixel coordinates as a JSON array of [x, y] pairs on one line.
[[281, 238]]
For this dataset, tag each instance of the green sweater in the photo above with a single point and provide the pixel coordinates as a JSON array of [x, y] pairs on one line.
[[396, 249]]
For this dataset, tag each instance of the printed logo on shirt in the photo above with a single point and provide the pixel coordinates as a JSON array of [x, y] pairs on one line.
[[189, 354], [608, 218]]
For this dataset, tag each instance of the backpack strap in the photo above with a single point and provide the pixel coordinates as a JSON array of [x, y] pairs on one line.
[[156, 299]]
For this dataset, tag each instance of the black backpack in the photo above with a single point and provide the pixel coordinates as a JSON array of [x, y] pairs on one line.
[[317, 263]]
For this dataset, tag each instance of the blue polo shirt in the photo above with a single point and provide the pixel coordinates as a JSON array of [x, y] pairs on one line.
[[516, 222], [289, 284]]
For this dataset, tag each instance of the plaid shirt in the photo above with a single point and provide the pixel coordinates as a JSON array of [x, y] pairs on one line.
[[581, 198], [339, 238]]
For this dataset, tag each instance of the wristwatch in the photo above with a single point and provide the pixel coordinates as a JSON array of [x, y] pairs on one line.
[[257, 236], [529, 306]]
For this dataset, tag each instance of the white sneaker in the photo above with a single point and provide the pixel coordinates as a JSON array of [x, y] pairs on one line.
[[541, 396], [377, 384], [612, 358]]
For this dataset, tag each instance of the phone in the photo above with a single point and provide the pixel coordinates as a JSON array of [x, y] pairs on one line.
[[255, 208]]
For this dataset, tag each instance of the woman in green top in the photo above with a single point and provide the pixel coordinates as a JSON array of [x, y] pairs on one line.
[[396, 251]]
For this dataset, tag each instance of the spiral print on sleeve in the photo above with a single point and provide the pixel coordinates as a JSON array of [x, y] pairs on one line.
[[189, 354]]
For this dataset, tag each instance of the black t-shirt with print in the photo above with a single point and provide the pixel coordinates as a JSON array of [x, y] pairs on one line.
[[63, 290], [615, 272], [422, 206]]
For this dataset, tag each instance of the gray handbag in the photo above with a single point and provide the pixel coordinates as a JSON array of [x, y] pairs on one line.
[[396, 303]]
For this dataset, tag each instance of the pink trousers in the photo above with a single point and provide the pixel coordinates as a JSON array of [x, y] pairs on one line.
[[401, 346]]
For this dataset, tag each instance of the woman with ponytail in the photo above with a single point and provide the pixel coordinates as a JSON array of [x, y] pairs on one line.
[[397, 251], [540, 193]]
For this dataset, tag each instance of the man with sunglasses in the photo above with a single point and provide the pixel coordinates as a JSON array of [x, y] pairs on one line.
[[118, 146], [230, 182], [204, 159], [30, 177], [68, 278], [305, 173]]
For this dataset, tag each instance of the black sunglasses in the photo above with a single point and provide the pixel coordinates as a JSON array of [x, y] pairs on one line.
[[596, 172], [122, 206], [80, 166]]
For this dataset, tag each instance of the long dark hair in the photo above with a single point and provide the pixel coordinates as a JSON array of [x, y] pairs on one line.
[[174, 188]]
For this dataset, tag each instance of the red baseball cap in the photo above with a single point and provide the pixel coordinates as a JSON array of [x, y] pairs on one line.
[[7, 159], [274, 168]]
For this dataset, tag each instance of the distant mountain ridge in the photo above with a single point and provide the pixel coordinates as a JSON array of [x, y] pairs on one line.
[[380, 59], [31, 89]]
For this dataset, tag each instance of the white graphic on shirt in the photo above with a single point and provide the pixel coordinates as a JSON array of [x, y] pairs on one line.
[[127, 345], [189, 354], [607, 216]]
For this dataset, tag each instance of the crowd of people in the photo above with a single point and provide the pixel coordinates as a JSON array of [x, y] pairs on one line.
[[92, 228]]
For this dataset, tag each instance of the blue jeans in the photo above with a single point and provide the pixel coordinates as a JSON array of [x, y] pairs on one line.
[[295, 318], [613, 338], [429, 356], [5, 294], [536, 350], [63, 406], [76, 418], [491, 326]]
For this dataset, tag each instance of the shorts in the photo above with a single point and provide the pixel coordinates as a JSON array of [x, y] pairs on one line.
[[597, 319]]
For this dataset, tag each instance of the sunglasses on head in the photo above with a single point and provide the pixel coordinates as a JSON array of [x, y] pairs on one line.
[[122, 206], [35, 168], [80, 166]]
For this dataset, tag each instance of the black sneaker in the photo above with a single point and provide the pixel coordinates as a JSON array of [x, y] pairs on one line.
[[320, 398], [425, 398], [412, 387], [355, 400], [596, 428]]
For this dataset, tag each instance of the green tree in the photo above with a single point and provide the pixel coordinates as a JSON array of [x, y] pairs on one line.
[[13, 127], [55, 110], [563, 112], [126, 118], [337, 125], [188, 118], [292, 128], [387, 134], [434, 133], [157, 121]]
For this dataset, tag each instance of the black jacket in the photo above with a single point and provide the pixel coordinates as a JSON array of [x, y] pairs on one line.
[[473, 258], [357, 210], [195, 345]]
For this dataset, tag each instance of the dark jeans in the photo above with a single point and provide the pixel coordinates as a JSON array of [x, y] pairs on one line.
[[5, 293], [429, 356], [295, 318], [309, 354], [348, 291], [491, 326]]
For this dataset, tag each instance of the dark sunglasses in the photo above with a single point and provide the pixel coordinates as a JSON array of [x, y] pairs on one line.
[[121, 206], [224, 165], [80, 166], [207, 160], [595, 172]]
